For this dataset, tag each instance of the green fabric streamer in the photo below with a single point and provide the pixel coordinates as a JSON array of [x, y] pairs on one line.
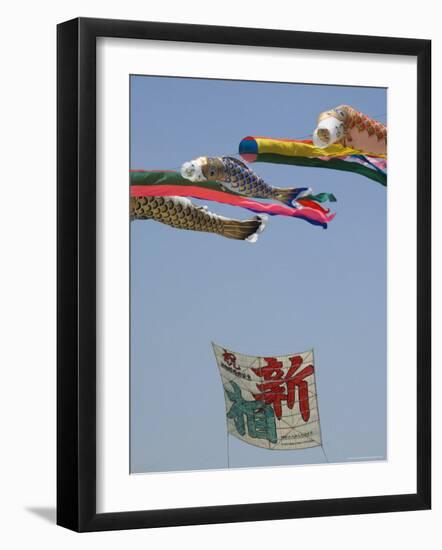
[[173, 178], [333, 163], [321, 197]]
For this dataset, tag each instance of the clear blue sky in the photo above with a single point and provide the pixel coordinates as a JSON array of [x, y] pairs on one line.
[[298, 287]]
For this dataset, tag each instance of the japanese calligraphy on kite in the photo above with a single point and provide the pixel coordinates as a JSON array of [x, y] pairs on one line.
[[271, 402]]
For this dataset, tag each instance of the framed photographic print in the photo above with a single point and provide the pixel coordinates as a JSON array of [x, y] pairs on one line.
[[243, 293]]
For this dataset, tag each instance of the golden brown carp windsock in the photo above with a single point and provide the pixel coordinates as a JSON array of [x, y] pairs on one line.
[[351, 128], [181, 213]]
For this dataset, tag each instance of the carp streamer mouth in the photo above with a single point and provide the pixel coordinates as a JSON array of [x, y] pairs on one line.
[[192, 171], [329, 130]]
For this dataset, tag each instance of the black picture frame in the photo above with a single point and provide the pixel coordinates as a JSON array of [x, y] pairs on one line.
[[76, 274]]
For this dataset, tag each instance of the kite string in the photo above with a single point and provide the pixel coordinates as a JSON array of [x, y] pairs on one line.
[[228, 448], [317, 407], [325, 455]]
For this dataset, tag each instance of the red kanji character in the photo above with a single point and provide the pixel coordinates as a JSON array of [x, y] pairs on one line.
[[230, 359], [273, 387]]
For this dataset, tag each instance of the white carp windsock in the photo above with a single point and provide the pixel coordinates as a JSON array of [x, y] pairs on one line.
[[351, 128]]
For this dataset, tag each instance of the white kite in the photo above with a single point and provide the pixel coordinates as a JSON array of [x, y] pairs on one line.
[[271, 402]]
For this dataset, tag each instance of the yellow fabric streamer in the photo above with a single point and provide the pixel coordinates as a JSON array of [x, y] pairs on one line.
[[292, 148]]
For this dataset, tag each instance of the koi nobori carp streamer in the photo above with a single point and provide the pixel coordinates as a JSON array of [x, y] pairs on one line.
[[235, 175], [164, 196], [351, 128], [336, 156]]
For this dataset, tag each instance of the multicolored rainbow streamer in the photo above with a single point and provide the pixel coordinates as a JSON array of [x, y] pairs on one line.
[[304, 153]]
